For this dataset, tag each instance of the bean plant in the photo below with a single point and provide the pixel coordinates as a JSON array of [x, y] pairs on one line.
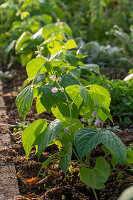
[[80, 111]]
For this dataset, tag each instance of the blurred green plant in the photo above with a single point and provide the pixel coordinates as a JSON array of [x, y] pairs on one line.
[[92, 19], [121, 97], [23, 19], [106, 55]]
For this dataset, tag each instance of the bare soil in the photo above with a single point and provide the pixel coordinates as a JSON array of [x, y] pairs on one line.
[[51, 184]]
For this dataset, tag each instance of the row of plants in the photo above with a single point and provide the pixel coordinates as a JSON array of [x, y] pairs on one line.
[[95, 18], [25, 20]]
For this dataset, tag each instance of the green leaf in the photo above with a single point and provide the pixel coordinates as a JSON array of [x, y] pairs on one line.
[[48, 99], [85, 94], [50, 29], [100, 95], [113, 143], [85, 140], [107, 112], [102, 116], [69, 79], [70, 44], [47, 18], [37, 38], [67, 30], [57, 55], [39, 78], [25, 57], [129, 156], [73, 92], [76, 124], [56, 112], [24, 101], [96, 177], [33, 67], [91, 68], [46, 163], [59, 12], [48, 135], [62, 111], [40, 108], [10, 46], [31, 133], [23, 38], [113, 162], [73, 60], [65, 160]]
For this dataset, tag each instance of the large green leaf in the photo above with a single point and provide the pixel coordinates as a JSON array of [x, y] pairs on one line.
[[37, 38], [100, 95], [48, 99], [113, 143], [40, 108], [56, 112], [47, 18], [70, 44], [10, 46], [73, 92], [69, 79], [67, 30], [91, 67], [96, 177], [76, 124], [33, 67], [85, 94], [57, 55], [129, 156], [62, 111], [48, 135], [31, 133], [24, 101], [105, 111], [23, 38], [50, 29], [85, 140], [46, 163], [73, 60], [65, 160], [25, 57], [102, 115]]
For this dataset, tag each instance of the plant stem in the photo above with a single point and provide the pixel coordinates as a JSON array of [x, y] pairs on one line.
[[87, 160], [94, 191], [76, 155]]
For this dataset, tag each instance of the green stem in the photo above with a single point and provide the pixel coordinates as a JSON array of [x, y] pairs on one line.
[[94, 191], [87, 160], [70, 117], [76, 155]]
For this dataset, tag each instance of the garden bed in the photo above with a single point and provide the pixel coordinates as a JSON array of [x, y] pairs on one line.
[[52, 184]]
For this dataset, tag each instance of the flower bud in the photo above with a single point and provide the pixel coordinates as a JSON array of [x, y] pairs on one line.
[[52, 77], [36, 52], [82, 119], [59, 79], [65, 130], [98, 122], [54, 89], [94, 113]]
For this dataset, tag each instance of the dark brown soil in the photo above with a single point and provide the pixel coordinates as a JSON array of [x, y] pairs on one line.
[[51, 184]]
